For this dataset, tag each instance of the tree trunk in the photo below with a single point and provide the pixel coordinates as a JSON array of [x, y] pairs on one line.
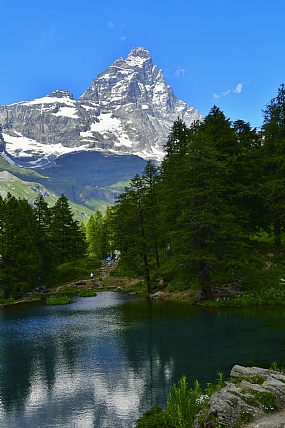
[[205, 280], [277, 231], [147, 274]]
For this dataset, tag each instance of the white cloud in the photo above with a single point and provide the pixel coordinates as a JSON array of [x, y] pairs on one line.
[[110, 24], [48, 35], [237, 90], [121, 39], [179, 71]]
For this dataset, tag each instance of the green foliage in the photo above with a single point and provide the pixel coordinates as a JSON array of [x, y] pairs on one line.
[[273, 163], [98, 243], [202, 218], [261, 287], [87, 293], [154, 418], [246, 416], [274, 366], [264, 398], [190, 220], [267, 400], [58, 300], [182, 407], [19, 255], [135, 227], [33, 242], [6, 301], [183, 404], [67, 239], [73, 271]]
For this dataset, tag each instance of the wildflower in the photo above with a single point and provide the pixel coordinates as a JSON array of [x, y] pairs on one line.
[[202, 399]]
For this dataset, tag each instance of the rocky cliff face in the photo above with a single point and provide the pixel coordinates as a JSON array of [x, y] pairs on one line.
[[128, 109]]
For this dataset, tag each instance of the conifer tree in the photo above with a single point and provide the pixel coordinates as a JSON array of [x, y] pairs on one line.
[[20, 258], [95, 235], [134, 230], [67, 239], [151, 204], [172, 180], [273, 180], [206, 233], [42, 215], [247, 175]]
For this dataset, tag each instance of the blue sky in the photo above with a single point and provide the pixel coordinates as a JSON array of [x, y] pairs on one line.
[[225, 52]]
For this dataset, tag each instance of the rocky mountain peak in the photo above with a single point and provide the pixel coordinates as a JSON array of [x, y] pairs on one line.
[[139, 57], [61, 94], [128, 109], [140, 52]]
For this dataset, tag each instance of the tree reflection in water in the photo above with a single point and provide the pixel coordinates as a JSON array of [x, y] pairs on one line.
[[111, 357]]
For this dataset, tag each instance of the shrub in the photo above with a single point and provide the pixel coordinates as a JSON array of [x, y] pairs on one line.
[[6, 301], [154, 418], [58, 300], [183, 404]]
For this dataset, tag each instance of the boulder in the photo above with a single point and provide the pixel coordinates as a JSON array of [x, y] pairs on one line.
[[159, 294], [253, 393]]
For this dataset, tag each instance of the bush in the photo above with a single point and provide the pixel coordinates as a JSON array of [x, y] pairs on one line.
[[6, 301], [58, 300], [183, 404], [154, 418]]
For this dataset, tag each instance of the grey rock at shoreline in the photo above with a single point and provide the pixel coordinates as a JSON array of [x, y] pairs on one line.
[[241, 400]]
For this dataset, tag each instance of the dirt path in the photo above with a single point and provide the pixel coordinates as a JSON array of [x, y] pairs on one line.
[[102, 276]]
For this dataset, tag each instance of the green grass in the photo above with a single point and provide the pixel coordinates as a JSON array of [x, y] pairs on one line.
[[73, 271], [87, 293], [6, 301], [58, 300], [263, 277]]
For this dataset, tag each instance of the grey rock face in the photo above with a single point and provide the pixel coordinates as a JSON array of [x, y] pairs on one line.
[[128, 109], [249, 397]]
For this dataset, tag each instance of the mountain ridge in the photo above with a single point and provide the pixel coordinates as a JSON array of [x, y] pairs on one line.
[[127, 109], [89, 149]]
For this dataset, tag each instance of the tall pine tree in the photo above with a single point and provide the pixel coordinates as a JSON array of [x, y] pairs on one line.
[[205, 221], [273, 180], [67, 239]]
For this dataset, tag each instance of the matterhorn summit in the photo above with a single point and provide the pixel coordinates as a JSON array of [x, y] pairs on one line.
[[128, 109]]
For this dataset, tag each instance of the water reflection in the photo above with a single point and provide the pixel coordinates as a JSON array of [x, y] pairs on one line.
[[107, 359]]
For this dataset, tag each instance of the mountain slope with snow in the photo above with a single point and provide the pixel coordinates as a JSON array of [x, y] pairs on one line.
[[128, 109]]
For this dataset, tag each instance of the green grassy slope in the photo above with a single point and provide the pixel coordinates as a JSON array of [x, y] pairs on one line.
[[89, 180]]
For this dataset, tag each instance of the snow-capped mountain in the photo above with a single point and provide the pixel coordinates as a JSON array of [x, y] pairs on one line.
[[128, 109]]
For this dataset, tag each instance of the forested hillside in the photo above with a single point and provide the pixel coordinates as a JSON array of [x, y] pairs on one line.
[[34, 240], [191, 221], [220, 185]]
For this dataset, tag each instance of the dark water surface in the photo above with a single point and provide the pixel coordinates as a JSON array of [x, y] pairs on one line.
[[102, 361]]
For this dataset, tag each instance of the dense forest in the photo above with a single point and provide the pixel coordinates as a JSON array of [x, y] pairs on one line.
[[191, 220], [34, 240]]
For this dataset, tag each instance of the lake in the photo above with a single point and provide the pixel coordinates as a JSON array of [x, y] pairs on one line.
[[102, 361]]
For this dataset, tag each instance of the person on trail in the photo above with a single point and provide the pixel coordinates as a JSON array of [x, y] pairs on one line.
[[92, 275]]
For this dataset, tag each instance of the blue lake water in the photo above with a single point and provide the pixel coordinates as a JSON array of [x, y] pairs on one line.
[[102, 361]]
